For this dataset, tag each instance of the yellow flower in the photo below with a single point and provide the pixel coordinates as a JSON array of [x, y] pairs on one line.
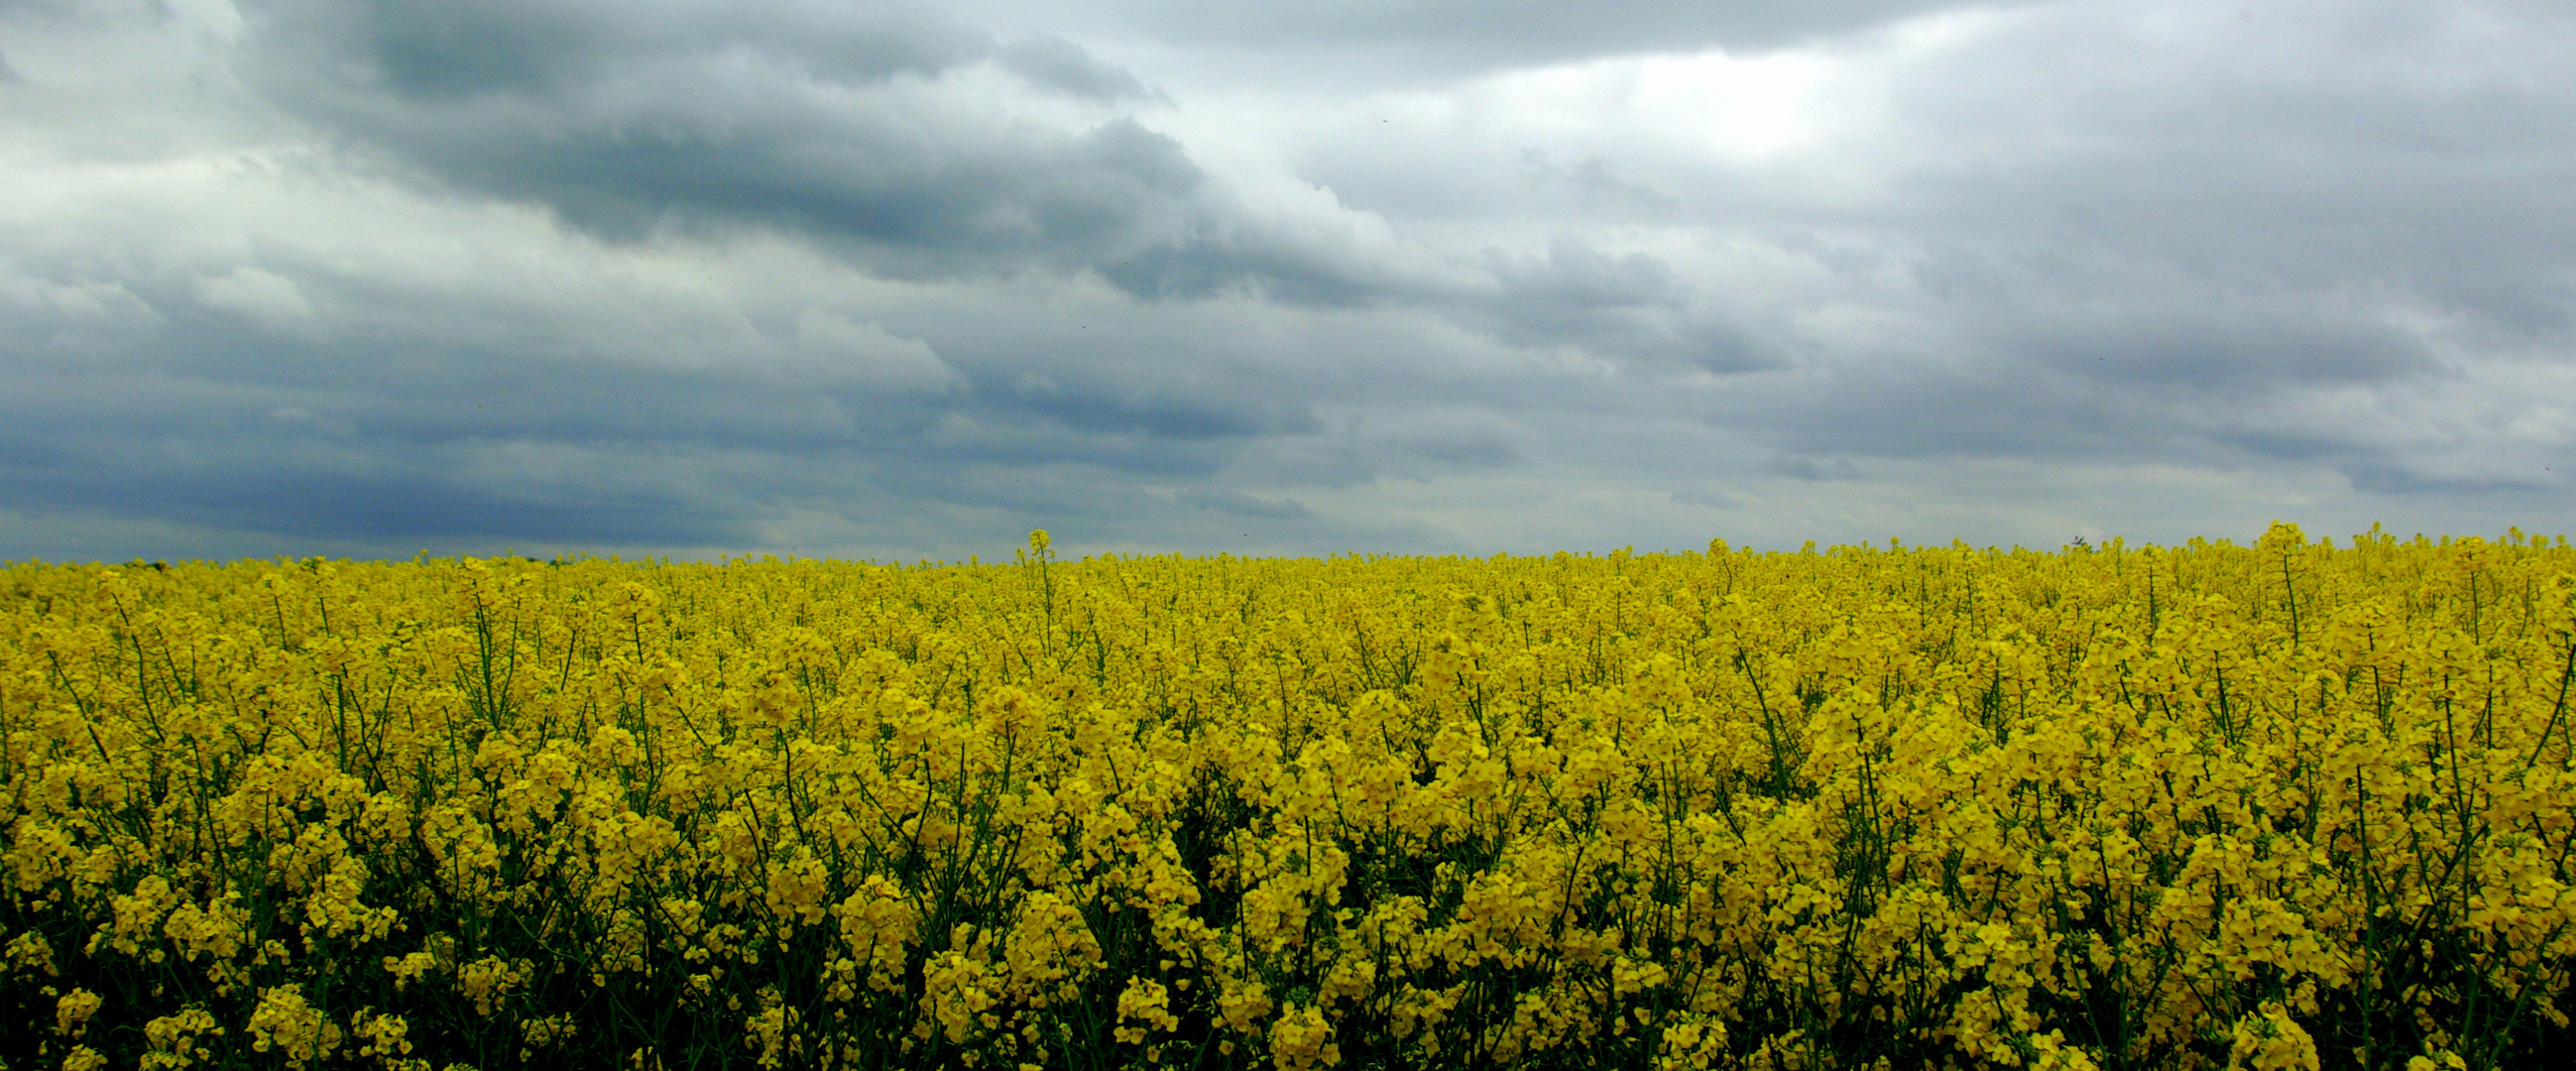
[[2267, 1040], [73, 1010]]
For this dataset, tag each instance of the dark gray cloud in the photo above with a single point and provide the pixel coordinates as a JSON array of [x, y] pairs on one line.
[[912, 279], [2218, 347], [1798, 467], [375, 506], [1706, 498], [208, 404], [1630, 305], [2381, 476], [1242, 505], [829, 123], [441, 51], [2147, 242], [807, 119]]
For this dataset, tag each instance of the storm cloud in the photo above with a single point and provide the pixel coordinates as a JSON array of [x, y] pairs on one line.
[[900, 280]]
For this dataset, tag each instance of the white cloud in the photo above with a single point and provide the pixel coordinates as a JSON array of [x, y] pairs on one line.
[[270, 299], [870, 355]]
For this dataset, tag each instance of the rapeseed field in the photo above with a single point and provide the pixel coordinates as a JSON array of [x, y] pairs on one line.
[[2292, 805]]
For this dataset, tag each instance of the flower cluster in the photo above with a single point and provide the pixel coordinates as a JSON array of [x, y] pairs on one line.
[[2290, 805]]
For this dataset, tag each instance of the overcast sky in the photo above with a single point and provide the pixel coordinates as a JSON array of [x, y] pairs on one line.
[[887, 280]]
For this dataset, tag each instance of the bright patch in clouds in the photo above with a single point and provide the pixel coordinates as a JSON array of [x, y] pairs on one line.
[[1733, 108]]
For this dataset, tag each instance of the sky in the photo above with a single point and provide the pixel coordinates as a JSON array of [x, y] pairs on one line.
[[894, 281]]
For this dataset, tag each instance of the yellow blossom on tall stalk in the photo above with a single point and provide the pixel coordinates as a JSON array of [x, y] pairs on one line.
[[2286, 805]]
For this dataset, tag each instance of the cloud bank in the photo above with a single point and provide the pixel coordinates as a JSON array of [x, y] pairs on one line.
[[697, 277]]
